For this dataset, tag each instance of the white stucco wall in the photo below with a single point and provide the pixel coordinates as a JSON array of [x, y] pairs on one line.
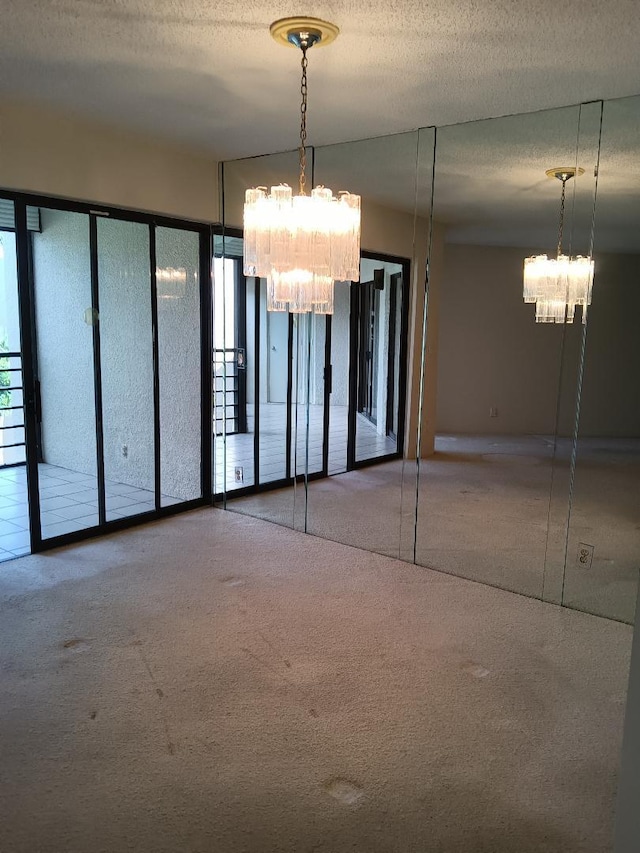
[[62, 276], [179, 361], [126, 352], [65, 352]]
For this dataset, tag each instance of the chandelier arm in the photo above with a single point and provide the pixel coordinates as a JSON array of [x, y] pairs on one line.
[[302, 151]]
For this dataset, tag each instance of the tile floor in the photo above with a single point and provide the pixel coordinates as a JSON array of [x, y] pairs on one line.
[[69, 502]]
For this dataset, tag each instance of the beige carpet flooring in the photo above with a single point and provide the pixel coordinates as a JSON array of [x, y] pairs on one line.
[[213, 682]]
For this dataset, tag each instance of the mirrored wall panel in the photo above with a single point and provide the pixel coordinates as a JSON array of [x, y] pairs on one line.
[[332, 387], [487, 495], [369, 498], [603, 542], [469, 403], [261, 369]]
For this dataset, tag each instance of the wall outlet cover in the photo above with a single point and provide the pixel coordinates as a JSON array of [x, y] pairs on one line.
[[584, 557], [239, 475]]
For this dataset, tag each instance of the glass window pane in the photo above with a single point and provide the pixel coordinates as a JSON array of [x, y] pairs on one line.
[[126, 357], [179, 356], [64, 334]]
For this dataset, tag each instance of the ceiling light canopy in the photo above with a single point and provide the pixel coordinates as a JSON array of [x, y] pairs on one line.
[[302, 244], [557, 285]]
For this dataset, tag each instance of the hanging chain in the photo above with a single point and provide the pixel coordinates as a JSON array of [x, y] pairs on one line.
[[303, 120], [561, 226]]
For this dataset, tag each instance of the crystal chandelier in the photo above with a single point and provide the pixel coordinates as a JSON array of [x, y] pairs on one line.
[[557, 285], [302, 244]]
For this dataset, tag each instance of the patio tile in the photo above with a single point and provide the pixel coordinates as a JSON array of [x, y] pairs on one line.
[[13, 475], [69, 525], [7, 489], [167, 500], [143, 495], [46, 481], [8, 502], [67, 489], [132, 509], [118, 501], [17, 511], [21, 522], [86, 496], [7, 527], [79, 511], [12, 541], [77, 477], [56, 503], [117, 489]]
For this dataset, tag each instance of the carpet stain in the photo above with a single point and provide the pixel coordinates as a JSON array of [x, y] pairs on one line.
[[75, 643], [475, 670], [232, 581], [344, 791]]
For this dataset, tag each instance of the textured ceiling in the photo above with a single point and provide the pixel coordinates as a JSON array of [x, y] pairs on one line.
[[209, 74]]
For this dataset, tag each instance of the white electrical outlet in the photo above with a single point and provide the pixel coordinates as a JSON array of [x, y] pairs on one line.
[[584, 557], [239, 475]]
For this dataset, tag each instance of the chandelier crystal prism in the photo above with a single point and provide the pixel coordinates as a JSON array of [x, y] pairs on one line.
[[302, 244], [557, 285]]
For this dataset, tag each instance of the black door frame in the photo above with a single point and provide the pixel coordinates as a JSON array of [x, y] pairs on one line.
[[26, 306], [355, 333]]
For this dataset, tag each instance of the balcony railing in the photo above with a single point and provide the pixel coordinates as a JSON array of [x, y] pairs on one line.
[[228, 403], [12, 432]]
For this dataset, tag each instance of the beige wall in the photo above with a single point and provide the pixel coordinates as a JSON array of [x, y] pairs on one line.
[[493, 354], [48, 152]]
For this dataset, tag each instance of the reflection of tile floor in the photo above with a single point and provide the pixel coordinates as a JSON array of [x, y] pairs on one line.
[[69, 502], [273, 427]]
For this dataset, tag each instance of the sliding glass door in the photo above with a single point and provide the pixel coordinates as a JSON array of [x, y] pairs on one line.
[[104, 329], [63, 334], [14, 501]]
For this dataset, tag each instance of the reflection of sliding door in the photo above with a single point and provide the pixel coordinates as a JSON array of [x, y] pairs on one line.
[[378, 346], [324, 394], [280, 383]]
